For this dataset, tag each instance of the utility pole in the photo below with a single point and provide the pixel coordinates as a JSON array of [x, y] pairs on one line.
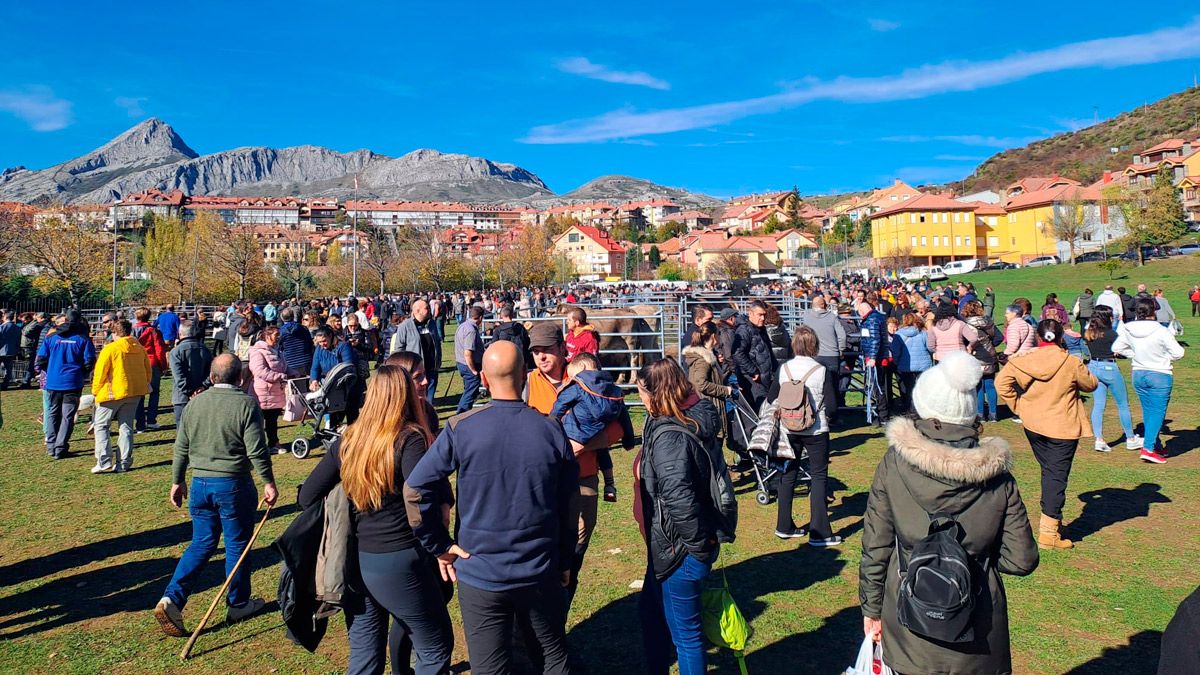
[[354, 272], [116, 203]]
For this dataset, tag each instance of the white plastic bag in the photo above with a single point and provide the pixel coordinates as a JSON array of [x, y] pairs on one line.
[[1177, 328], [869, 661]]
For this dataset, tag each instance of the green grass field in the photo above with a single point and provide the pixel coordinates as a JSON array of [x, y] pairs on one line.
[[83, 558]]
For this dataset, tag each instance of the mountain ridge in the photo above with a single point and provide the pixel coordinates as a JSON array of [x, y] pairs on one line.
[[151, 154]]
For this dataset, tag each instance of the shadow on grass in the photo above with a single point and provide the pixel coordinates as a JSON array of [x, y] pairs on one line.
[[77, 556], [611, 639], [1109, 506], [842, 445], [1139, 656], [1182, 442]]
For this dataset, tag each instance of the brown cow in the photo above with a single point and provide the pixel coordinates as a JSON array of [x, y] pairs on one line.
[[614, 325]]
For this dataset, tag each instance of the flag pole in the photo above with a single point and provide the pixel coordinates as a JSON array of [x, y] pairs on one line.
[[354, 273]]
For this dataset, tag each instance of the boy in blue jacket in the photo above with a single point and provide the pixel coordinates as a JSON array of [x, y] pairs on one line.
[[588, 403]]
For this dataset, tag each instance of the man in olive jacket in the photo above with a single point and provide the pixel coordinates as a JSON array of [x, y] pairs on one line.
[[221, 438]]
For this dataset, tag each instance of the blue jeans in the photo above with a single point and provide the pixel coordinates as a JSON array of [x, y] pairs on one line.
[[147, 408], [405, 584], [217, 506], [470, 389], [1111, 382], [46, 416], [986, 394], [431, 385], [670, 612], [1154, 391]]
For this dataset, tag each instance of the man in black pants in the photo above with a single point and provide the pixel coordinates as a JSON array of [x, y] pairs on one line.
[[518, 493]]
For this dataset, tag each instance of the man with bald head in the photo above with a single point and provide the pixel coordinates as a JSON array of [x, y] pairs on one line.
[[220, 437], [518, 490], [418, 335]]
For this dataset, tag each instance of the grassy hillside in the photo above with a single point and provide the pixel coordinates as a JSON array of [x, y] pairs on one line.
[[1085, 154]]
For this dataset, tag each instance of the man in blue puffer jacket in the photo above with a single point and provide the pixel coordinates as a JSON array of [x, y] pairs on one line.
[[65, 357], [874, 345]]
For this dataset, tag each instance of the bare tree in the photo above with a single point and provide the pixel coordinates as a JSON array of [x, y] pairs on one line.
[[1070, 223], [15, 223], [239, 253], [65, 254], [729, 266], [379, 253]]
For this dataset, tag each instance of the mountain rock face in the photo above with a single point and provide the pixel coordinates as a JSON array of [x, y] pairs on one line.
[[627, 189], [152, 155]]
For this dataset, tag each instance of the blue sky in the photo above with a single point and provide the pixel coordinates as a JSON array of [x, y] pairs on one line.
[[718, 97]]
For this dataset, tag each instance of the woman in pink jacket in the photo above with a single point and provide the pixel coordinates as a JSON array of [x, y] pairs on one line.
[[948, 333], [270, 375], [1019, 336]]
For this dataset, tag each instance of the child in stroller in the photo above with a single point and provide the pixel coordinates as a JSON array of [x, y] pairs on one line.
[[330, 398], [590, 401]]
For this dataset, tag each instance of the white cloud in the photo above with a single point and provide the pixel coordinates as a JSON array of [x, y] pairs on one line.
[[882, 25], [38, 107], [980, 140], [958, 158], [1161, 45], [131, 104], [582, 66]]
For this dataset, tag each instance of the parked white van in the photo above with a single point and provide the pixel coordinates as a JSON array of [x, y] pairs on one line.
[[1043, 261], [930, 272], [961, 266]]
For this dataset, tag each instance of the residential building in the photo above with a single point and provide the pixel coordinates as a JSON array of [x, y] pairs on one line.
[[1028, 229], [131, 210], [594, 214], [280, 211], [692, 219], [319, 215], [280, 244], [647, 212], [785, 251], [880, 199], [593, 253], [927, 229], [1036, 183], [983, 196]]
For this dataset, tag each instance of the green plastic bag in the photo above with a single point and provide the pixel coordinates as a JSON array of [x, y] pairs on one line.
[[723, 622]]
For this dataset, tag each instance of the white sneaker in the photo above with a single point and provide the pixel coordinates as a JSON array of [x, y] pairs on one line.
[[1134, 442], [103, 469], [1015, 420], [170, 618], [1101, 446]]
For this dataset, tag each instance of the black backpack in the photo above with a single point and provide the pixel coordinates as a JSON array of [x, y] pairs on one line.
[[938, 583]]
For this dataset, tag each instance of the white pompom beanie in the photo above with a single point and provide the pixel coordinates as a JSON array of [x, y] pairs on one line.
[[946, 392]]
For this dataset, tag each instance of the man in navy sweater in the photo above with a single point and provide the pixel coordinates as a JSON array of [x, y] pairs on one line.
[[65, 357], [295, 344], [518, 511]]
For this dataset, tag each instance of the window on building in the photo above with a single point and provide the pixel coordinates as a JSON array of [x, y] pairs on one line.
[[968, 241], [946, 241], [572, 238], [958, 241], [923, 239], [993, 241], [913, 243], [992, 221], [912, 217], [945, 217], [922, 217], [1014, 241]]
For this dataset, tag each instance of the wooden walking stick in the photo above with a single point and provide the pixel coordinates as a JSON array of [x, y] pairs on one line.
[[187, 648]]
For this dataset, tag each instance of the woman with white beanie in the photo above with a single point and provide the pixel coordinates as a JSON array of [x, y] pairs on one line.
[[937, 464], [1043, 388]]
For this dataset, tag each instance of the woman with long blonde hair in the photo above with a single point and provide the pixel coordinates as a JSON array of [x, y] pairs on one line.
[[399, 578]]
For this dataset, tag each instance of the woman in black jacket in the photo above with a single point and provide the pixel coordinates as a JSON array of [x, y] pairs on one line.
[[398, 577], [678, 515]]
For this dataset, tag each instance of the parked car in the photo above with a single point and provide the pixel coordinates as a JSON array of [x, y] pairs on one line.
[[1189, 249], [1043, 261], [1170, 250], [930, 272], [1090, 256], [1000, 265], [960, 266], [1193, 227]]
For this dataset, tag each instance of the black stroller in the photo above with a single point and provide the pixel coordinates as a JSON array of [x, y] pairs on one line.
[[764, 447], [331, 397]]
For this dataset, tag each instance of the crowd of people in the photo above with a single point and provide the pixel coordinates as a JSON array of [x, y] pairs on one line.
[[936, 368]]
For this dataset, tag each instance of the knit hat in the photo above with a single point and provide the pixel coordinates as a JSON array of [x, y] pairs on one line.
[[946, 392]]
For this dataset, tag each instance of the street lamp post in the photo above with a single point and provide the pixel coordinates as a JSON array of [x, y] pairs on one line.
[[116, 204]]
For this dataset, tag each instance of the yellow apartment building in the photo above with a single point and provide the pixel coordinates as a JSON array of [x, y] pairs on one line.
[[930, 229]]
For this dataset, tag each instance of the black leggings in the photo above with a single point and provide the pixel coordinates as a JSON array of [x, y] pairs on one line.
[[271, 425], [818, 468], [1055, 455]]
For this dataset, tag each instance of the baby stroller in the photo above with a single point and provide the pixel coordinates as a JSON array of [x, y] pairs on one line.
[[331, 397], [769, 450]]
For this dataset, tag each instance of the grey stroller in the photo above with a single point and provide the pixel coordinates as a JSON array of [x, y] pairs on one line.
[[769, 450], [332, 397]]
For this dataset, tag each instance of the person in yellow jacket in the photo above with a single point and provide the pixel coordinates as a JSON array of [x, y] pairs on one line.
[[121, 379]]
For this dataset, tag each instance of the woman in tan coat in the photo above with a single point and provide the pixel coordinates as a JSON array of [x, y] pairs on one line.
[[1043, 386], [704, 373]]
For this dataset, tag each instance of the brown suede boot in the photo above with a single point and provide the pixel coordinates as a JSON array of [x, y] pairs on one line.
[[1049, 536]]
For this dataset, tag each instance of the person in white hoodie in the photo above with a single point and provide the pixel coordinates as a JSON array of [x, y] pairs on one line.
[[1109, 298], [1153, 348], [804, 367]]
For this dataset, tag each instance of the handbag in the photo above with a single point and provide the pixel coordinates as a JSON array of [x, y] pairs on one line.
[[870, 660], [722, 621], [1176, 328]]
